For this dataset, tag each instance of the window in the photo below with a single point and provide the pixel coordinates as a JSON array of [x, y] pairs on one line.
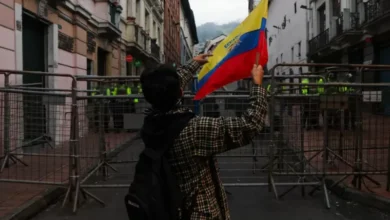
[[295, 7], [112, 13], [322, 18], [158, 36], [137, 10], [299, 49], [292, 54], [153, 31], [147, 24]]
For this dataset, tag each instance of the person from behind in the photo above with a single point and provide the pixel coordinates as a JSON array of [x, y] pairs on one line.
[[192, 155]]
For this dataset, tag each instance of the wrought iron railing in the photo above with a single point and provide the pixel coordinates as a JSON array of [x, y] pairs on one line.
[[355, 20], [375, 9], [354, 23], [319, 41]]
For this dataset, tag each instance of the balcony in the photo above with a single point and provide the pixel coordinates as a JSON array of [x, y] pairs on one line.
[[319, 42], [375, 11], [136, 41], [159, 6], [155, 50], [110, 28], [345, 28], [139, 43]]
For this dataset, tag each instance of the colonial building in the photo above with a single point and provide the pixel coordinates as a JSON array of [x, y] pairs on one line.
[[188, 34], [287, 35], [172, 31], [84, 37], [142, 25], [350, 32], [57, 36], [61, 36]]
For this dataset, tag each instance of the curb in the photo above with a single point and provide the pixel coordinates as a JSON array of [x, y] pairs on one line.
[[52, 195], [364, 198], [37, 204]]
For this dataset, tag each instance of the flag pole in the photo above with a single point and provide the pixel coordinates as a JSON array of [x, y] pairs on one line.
[[257, 58]]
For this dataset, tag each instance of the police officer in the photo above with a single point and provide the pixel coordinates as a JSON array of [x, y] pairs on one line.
[[99, 91], [320, 92], [138, 90], [352, 100], [350, 112], [129, 91], [96, 107], [306, 105], [332, 90], [119, 107]]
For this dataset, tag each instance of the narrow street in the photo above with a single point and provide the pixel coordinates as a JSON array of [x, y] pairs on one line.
[[249, 203], [245, 203]]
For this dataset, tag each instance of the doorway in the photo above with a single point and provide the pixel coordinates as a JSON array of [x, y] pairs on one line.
[[102, 62], [322, 18], [34, 59]]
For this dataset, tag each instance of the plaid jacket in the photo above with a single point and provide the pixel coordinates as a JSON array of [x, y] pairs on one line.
[[198, 144]]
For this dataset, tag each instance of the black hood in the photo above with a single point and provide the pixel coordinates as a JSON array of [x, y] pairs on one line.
[[160, 129]]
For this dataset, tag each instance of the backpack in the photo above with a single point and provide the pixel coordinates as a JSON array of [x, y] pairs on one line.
[[155, 193]]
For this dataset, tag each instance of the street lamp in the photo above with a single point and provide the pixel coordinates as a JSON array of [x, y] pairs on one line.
[[305, 7]]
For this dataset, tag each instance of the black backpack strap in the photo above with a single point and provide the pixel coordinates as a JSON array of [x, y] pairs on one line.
[[174, 131]]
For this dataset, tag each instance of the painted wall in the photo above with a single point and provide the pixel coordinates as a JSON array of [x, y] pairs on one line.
[[288, 45], [186, 30], [58, 60], [7, 33]]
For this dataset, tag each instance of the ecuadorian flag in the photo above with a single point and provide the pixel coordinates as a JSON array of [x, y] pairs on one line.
[[234, 57]]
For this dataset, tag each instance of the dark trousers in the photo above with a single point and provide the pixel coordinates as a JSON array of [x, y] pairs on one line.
[[104, 114], [311, 113], [349, 118], [117, 109]]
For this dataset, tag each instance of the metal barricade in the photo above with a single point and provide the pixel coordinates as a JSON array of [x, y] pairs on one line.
[[77, 136], [331, 136], [38, 142], [36, 128]]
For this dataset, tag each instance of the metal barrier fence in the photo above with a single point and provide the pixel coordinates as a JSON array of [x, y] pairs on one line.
[[80, 138]]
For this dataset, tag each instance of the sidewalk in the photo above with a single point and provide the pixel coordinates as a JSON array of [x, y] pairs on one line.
[[53, 169]]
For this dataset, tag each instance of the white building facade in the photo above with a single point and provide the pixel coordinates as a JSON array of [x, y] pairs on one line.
[[142, 30], [188, 34], [287, 35]]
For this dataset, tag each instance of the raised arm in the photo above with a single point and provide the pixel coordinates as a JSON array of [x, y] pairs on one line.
[[187, 72], [217, 135]]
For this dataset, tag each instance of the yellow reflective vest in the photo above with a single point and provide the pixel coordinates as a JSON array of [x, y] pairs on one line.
[[320, 89], [305, 88]]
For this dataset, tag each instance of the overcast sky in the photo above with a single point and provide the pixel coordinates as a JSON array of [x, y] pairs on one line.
[[219, 11]]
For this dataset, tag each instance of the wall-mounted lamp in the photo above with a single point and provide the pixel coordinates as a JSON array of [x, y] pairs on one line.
[[305, 7]]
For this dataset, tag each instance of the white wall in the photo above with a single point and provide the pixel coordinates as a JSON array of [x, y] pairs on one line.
[[284, 47], [330, 15], [186, 29]]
